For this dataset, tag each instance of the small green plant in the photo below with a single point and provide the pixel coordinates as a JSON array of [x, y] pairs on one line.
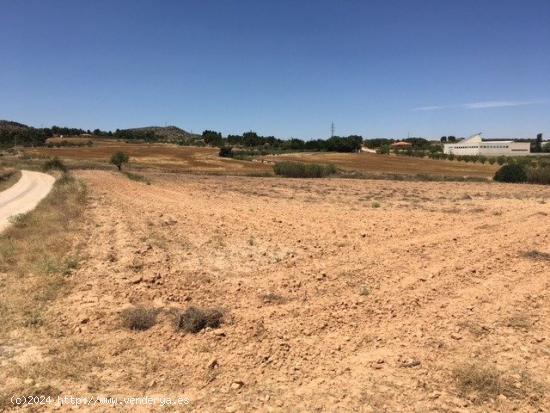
[[303, 170], [119, 158], [511, 173], [54, 163], [375, 204], [195, 319], [138, 318]]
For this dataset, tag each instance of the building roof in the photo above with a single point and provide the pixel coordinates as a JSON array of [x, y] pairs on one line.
[[400, 144]]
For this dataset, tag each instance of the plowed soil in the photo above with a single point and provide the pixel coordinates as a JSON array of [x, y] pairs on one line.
[[338, 295]]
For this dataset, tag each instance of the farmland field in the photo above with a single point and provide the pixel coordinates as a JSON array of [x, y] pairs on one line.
[[189, 159], [337, 295]]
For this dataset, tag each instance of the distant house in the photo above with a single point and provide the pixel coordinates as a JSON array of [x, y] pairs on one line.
[[475, 145], [401, 145]]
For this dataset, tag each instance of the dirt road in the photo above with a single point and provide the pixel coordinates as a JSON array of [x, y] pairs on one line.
[[24, 195]]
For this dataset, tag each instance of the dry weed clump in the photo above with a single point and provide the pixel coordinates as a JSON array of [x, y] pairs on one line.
[[138, 318], [484, 382], [537, 255], [195, 319], [272, 298]]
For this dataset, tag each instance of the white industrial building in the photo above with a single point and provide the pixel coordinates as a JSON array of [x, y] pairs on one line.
[[474, 145]]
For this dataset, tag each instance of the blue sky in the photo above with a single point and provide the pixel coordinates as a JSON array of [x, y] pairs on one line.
[[286, 68]]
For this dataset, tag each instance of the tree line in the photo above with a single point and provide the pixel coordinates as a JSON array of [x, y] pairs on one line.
[[350, 143]]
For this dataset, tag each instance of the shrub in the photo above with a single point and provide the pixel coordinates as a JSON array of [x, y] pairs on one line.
[[303, 170], [226, 152], [540, 175], [511, 173], [54, 163], [501, 160], [482, 158], [119, 158], [138, 318], [492, 161], [195, 319]]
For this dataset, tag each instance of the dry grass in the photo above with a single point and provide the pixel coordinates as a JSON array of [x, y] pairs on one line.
[[272, 298], [34, 255], [35, 259], [537, 255], [195, 319], [519, 322], [483, 383], [8, 177]]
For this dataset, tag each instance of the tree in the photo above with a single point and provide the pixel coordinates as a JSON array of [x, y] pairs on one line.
[[119, 158], [211, 137], [443, 139], [451, 139]]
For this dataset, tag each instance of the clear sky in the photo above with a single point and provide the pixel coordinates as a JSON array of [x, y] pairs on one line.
[[283, 67]]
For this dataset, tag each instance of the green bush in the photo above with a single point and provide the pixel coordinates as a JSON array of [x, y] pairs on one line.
[[303, 170], [511, 173], [226, 152], [54, 163], [501, 160]]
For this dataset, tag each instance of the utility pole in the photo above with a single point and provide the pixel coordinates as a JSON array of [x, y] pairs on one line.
[[332, 129]]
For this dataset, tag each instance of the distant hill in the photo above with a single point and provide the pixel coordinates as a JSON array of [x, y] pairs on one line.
[[168, 133], [10, 125]]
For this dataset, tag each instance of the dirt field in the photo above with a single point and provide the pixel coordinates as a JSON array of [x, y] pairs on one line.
[[338, 295], [165, 157], [385, 164], [199, 160]]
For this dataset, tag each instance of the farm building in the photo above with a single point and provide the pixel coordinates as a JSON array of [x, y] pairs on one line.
[[475, 145], [401, 145]]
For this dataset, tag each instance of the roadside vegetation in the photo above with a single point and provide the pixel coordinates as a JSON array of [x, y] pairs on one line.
[[36, 254], [54, 164], [8, 177], [303, 170], [37, 257]]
